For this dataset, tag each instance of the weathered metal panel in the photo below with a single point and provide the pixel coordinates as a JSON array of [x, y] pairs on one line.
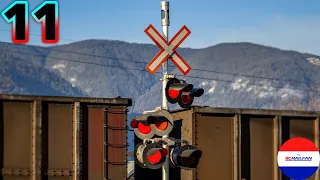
[[60, 127], [116, 141], [17, 140], [215, 139], [48, 137], [259, 145], [95, 147]]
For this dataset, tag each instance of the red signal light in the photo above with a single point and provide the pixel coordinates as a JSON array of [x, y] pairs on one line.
[[144, 129], [156, 157], [161, 125], [150, 155], [173, 94]]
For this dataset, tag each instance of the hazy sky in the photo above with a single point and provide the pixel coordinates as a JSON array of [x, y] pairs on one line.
[[286, 24]]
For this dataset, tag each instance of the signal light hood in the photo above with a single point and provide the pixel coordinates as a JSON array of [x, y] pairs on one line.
[[157, 118], [194, 153], [163, 151], [182, 87], [196, 92], [185, 157]]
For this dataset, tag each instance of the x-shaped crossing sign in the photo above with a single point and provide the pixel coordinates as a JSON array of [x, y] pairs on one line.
[[168, 49]]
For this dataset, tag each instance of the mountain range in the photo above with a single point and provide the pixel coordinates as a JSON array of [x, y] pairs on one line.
[[239, 75]]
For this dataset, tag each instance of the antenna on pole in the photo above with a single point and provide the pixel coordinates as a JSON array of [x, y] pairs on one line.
[[165, 22]]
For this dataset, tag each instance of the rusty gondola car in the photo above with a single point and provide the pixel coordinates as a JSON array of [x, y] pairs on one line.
[[63, 137]]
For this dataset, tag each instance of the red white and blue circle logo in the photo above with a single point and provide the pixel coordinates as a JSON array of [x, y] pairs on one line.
[[298, 158]]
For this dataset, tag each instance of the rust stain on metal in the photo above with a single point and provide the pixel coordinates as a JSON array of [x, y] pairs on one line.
[[95, 147]]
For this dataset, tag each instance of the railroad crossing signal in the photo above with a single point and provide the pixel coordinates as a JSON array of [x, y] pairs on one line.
[[168, 49], [154, 155], [141, 127], [158, 123], [181, 92], [185, 157], [161, 122], [150, 153]]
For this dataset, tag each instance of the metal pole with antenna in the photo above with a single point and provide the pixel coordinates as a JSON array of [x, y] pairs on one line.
[[164, 6]]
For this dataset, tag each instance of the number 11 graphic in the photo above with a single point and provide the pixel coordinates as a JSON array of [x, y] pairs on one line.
[[46, 14]]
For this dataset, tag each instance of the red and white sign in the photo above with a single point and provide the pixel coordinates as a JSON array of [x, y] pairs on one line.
[[168, 49]]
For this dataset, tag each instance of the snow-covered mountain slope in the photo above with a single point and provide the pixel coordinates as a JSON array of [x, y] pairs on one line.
[[242, 75]]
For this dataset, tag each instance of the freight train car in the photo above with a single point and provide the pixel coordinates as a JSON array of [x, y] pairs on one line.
[[237, 144], [65, 138]]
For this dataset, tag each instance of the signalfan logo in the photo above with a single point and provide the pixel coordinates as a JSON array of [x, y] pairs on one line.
[[298, 158]]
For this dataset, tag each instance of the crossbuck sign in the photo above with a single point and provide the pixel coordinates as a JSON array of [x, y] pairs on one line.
[[168, 49]]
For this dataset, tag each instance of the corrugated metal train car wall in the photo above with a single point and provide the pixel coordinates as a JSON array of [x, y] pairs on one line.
[[63, 138], [237, 144]]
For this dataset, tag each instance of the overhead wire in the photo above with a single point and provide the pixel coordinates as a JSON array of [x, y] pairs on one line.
[[141, 62], [141, 70], [71, 60], [7, 30]]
